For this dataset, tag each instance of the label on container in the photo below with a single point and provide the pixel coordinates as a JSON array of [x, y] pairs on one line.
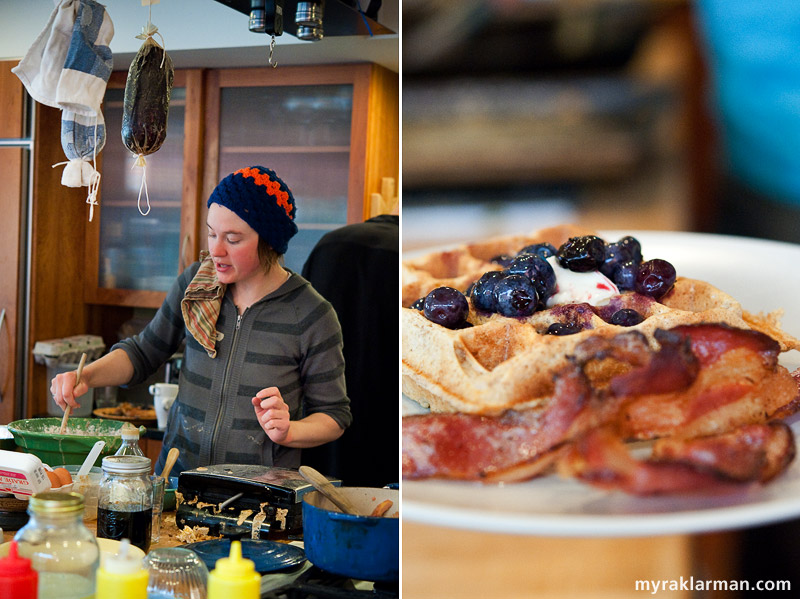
[[22, 474]]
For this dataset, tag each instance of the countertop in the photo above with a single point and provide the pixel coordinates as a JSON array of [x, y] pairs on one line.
[[169, 538]]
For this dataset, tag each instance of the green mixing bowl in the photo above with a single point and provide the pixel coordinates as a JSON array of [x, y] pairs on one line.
[[41, 437]]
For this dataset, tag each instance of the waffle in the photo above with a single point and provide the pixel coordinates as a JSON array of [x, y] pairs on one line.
[[502, 363]]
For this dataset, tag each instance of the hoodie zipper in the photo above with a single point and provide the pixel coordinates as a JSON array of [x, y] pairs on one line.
[[220, 409]]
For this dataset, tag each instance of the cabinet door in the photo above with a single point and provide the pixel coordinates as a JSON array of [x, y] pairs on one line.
[[13, 167], [13, 202], [143, 237], [309, 125]]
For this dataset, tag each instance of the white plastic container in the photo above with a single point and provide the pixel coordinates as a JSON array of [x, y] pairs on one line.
[[55, 352], [22, 474]]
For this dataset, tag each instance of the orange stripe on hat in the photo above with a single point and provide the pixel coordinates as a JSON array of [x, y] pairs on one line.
[[273, 187]]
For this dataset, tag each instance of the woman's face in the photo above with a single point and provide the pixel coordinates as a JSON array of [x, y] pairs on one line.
[[233, 245]]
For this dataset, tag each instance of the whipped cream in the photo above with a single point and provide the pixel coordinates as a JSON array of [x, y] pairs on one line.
[[593, 287]]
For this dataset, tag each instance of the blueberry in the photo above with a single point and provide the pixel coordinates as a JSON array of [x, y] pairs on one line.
[[633, 247], [483, 291], [538, 270], [624, 275], [655, 278], [516, 296], [626, 317], [419, 304], [446, 306], [618, 252], [582, 254], [503, 260], [563, 328], [543, 250]]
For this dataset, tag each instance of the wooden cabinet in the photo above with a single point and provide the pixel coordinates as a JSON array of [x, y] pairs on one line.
[[331, 132], [65, 282]]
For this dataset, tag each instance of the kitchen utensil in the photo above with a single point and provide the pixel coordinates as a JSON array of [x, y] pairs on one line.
[[69, 407], [324, 486], [269, 506], [172, 457], [361, 547], [229, 501], [94, 452]]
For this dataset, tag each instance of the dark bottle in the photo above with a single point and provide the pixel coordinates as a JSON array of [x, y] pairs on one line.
[[125, 500]]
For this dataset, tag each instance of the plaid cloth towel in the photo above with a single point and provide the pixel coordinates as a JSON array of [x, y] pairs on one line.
[[201, 304]]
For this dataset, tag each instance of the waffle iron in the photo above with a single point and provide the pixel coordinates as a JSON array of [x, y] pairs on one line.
[[243, 501]]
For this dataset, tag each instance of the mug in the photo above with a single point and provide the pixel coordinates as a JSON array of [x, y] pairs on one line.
[[164, 395]]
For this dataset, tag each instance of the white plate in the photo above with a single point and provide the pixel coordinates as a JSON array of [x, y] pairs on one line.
[[763, 276], [108, 547]]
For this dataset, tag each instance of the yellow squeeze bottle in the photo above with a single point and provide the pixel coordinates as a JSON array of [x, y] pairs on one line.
[[234, 576], [122, 576]]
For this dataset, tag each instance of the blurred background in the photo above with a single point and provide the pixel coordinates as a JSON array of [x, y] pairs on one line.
[[615, 114], [529, 112]]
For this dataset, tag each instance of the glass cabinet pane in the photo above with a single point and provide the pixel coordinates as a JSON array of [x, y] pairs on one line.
[[303, 134], [136, 251]]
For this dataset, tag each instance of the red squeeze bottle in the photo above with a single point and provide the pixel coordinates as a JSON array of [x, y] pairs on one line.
[[17, 579]]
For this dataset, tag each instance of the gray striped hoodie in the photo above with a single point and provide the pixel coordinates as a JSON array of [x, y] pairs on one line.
[[290, 339]]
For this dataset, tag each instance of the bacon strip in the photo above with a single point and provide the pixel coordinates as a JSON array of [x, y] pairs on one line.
[[710, 379], [754, 453], [672, 368], [710, 341], [469, 447], [739, 383]]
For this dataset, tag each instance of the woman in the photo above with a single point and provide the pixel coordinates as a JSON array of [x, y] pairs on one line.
[[263, 373]]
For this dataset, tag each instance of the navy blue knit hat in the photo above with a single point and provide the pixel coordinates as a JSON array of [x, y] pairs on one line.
[[259, 197]]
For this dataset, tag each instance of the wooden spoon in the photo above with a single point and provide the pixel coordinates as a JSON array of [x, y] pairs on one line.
[[324, 486], [68, 409], [172, 457]]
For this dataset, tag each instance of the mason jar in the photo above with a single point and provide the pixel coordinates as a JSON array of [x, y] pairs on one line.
[[61, 549], [125, 500]]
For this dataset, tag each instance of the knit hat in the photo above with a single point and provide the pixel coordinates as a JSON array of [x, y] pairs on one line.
[[259, 197]]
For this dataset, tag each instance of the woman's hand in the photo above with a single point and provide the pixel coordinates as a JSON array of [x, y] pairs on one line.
[[272, 414], [115, 368], [65, 391]]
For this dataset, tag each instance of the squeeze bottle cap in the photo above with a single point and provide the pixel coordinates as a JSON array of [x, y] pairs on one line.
[[123, 562], [121, 576], [234, 576], [129, 432], [17, 579]]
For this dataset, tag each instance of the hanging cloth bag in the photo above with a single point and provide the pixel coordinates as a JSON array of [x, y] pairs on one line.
[[68, 67], [146, 104]]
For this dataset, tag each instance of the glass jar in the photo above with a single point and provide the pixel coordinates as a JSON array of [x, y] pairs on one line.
[[125, 500], [61, 549]]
